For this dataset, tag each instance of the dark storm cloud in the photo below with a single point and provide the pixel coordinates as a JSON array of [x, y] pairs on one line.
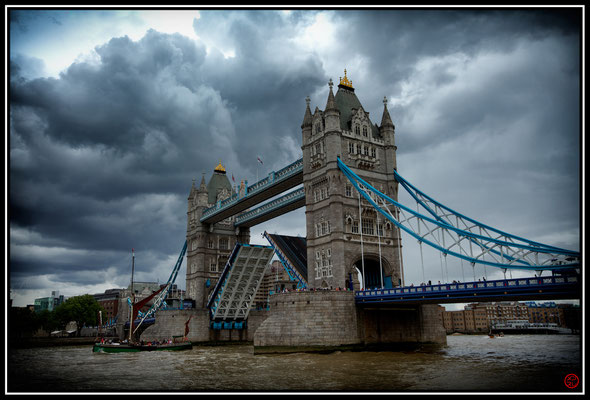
[[267, 81], [102, 157]]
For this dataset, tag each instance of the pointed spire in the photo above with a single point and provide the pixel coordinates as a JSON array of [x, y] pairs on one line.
[[307, 116], [203, 185], [193, 189], [386, 118], [331, 104]]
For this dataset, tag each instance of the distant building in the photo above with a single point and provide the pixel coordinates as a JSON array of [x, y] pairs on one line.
[[502, 311], [49, 303], [479, 317], [469, 320], [276, 279], [545, 313], [109, 300]]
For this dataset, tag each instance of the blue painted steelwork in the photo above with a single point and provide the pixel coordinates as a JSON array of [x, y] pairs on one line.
[[524, 249], [236, 325], [294, 275], [271, 206], [556, 286], [274, 178], [414, 192], [444, 213], [159, 300]]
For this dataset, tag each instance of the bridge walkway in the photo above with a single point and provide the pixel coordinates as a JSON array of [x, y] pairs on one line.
[[551, 287]]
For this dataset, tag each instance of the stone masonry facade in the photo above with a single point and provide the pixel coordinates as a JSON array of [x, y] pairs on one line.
[[334, 220]]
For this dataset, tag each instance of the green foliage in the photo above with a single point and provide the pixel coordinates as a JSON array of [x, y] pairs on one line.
[[46, 320], [81, 309]]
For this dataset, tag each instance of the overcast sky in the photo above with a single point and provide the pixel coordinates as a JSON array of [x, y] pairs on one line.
[[113, 113]]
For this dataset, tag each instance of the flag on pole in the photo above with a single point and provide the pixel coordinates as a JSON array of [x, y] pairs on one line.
[[260, 161], [232, 178]]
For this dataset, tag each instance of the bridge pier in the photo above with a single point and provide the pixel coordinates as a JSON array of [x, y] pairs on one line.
[[401, 327], [330, 320], [171, 323]]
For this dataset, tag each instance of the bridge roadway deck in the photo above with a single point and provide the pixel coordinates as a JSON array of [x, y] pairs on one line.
[[538, 288]]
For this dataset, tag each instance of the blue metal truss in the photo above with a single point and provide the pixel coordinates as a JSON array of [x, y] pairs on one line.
[[503, 251]]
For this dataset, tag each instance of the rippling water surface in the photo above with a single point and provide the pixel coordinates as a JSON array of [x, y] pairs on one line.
[[519, 363]]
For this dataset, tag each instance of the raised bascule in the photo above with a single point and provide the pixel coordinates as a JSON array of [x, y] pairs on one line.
[[348, 270]]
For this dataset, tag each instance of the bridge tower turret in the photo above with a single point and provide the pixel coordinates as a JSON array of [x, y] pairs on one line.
[[208, 245], [336, 255]]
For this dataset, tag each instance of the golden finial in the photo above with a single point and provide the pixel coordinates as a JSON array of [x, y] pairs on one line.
[[220, 168], [345, 82]]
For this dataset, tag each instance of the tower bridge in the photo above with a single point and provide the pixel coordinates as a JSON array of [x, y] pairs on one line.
[[349, 188]]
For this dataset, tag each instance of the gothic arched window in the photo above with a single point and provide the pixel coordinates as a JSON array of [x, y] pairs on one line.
[[318, 127]]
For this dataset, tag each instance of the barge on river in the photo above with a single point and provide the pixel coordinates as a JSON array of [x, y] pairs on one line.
[[135, 347]]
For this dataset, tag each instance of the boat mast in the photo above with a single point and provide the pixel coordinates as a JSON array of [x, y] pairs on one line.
[[132, 294]]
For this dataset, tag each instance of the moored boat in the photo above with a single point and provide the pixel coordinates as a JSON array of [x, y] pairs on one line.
[[136, 347]]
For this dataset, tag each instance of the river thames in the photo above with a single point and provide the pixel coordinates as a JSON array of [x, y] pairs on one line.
[[469, 363]]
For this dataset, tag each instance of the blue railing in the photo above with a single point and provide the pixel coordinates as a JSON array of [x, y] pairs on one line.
[[273, 178], [568, 284]]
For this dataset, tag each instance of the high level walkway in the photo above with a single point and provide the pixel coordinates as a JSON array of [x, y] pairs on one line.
[[274, 184], [274, 208]]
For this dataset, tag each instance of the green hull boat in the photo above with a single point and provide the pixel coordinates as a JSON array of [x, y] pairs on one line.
[[131, 348]]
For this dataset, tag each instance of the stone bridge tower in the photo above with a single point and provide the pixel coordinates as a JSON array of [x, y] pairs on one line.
[[335, 253], [209, 245]]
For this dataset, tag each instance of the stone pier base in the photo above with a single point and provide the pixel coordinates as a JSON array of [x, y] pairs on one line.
[[171, 323], [330, 320], [402, 327], [308, 321]]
